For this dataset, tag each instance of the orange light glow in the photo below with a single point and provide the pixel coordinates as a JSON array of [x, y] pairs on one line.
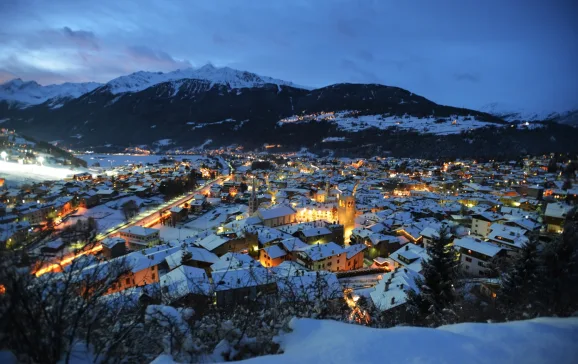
[[56, 267]]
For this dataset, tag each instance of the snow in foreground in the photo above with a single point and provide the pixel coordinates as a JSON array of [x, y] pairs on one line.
[[544, 340]]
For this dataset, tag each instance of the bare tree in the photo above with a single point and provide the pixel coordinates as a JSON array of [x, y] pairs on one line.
[[47, 319]]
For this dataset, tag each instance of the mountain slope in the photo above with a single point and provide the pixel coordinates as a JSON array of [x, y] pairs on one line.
[[32, 93], [191, 111], [140, 81], [512, 113]]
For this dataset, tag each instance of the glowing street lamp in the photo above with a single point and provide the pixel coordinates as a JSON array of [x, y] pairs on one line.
[[4, 155], [40, 159]]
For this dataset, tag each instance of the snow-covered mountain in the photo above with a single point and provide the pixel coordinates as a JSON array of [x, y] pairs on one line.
[[512, 113], [32, 93], [139, 81]]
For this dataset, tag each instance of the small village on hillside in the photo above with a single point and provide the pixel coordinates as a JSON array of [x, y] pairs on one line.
[[215, 232]]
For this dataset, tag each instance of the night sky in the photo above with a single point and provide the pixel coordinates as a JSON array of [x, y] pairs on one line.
[[463, 53]]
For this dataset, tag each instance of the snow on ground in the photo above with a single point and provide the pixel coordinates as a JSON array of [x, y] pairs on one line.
[[334, 139], [17, 174], [350, 121], [538, 341], [163, 142], [116, 160]]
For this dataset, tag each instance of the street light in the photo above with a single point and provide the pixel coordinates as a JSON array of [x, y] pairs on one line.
[[4, 155]]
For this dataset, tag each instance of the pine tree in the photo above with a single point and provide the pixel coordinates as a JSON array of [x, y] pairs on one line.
[[560, 259], [434, 304], [519, 296]]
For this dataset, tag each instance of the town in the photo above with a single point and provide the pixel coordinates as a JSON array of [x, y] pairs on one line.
[[227, 229]]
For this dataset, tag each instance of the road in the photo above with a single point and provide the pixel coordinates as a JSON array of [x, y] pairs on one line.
[[147, 218]]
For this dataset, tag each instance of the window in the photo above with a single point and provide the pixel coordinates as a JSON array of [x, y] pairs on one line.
[[468, 259], [128, 281], [153, 276], [481, 264], [467, 267]]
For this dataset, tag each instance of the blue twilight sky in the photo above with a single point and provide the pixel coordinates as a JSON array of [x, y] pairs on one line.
[[460, 52]]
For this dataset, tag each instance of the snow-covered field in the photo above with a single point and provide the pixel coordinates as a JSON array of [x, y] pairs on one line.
[[116, 160], [17, 174], [350, 121], [538, 341]]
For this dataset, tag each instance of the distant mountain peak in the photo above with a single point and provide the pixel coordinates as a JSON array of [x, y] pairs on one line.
[[512, 113], [32, 93], [233, 78]]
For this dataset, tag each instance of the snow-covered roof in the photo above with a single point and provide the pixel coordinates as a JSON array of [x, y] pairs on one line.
[[185, 280], [274, 251], [140, 230], [276, 211], [557, 210], [391, 290], [322, 251], [234, 261], [478, 246]]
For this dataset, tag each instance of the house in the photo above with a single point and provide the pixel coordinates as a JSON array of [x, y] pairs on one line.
[[481, 223], [186, 286], [354, 256], [82, 176], [234, 261], [52, 247], [316, 235], [239, 286], [139, 237], [194, 257], [178, 214], [297, 285], [510, 237], [475, 255], [14, 233], [113, 247], [381, 245], [222, 244], [555, 216], [330, 257], [391, 291], [277, 215], [272, 256], [409, 256], [88, 199]]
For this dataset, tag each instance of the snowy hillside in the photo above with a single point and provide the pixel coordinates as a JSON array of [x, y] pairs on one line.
[[548, 340], [512, 113], [32, 93], [139, 81], [351, 121], [538, 341]]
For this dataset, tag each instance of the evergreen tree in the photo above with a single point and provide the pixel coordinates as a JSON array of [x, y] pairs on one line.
[[560, 259], [434, 304], [519, 296]]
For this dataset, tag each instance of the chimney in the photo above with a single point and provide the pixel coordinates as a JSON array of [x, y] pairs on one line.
[[407, 247], [386, 286], [401, 286], [392, 300]]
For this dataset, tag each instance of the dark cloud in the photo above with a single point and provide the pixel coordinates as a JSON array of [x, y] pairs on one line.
[[454, 52], [82, 38]]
